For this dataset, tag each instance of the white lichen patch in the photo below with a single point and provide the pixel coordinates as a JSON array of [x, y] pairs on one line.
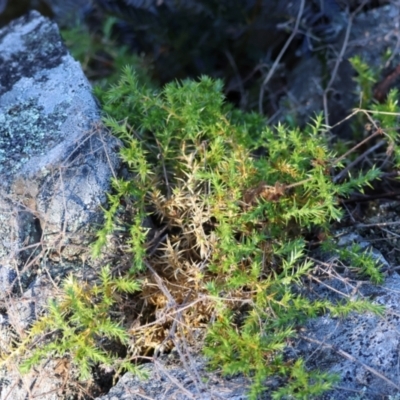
[[26, 131]]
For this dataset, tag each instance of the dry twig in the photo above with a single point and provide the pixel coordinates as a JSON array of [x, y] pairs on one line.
[[280, 55]]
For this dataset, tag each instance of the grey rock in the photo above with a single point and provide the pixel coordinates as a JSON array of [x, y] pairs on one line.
[[25, 309], [361, 348], [175, 382], [56, 161], [55, 158], [8, 277], [42, 383]]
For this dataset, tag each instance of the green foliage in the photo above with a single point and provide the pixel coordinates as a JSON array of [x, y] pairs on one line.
[[236, 196], [231, 201], [387, 113], [366, 79], [78, 324], [299, 383], [381, 118], [362, 261]]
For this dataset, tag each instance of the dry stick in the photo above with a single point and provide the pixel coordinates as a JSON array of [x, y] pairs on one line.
[[342, 173], [336, 67], [182, 308], [350, 358], [238, 77], [189, 364], [101, 136], [331, 275], [328, 286], [154, 244], [173, 379], [377, 225], [172, 330], [280, 55], [250, 75], [378, 132], [167, 294], [355, 112], [171, 303], [356, 147], [186, 359], [389, 232], [169, 315], [339, 60], [30, 263], [161, 156]]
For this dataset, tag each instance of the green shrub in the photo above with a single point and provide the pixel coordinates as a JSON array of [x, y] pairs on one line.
[[79, 325], [366, 79], [231, 202], [235, 198]]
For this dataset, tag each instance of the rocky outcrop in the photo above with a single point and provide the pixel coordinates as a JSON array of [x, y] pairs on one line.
[[56, 162]]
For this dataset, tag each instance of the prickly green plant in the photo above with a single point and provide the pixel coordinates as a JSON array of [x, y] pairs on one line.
[[380, 118], [230, 201], [235, 198], [366, 78], [79, 325]]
